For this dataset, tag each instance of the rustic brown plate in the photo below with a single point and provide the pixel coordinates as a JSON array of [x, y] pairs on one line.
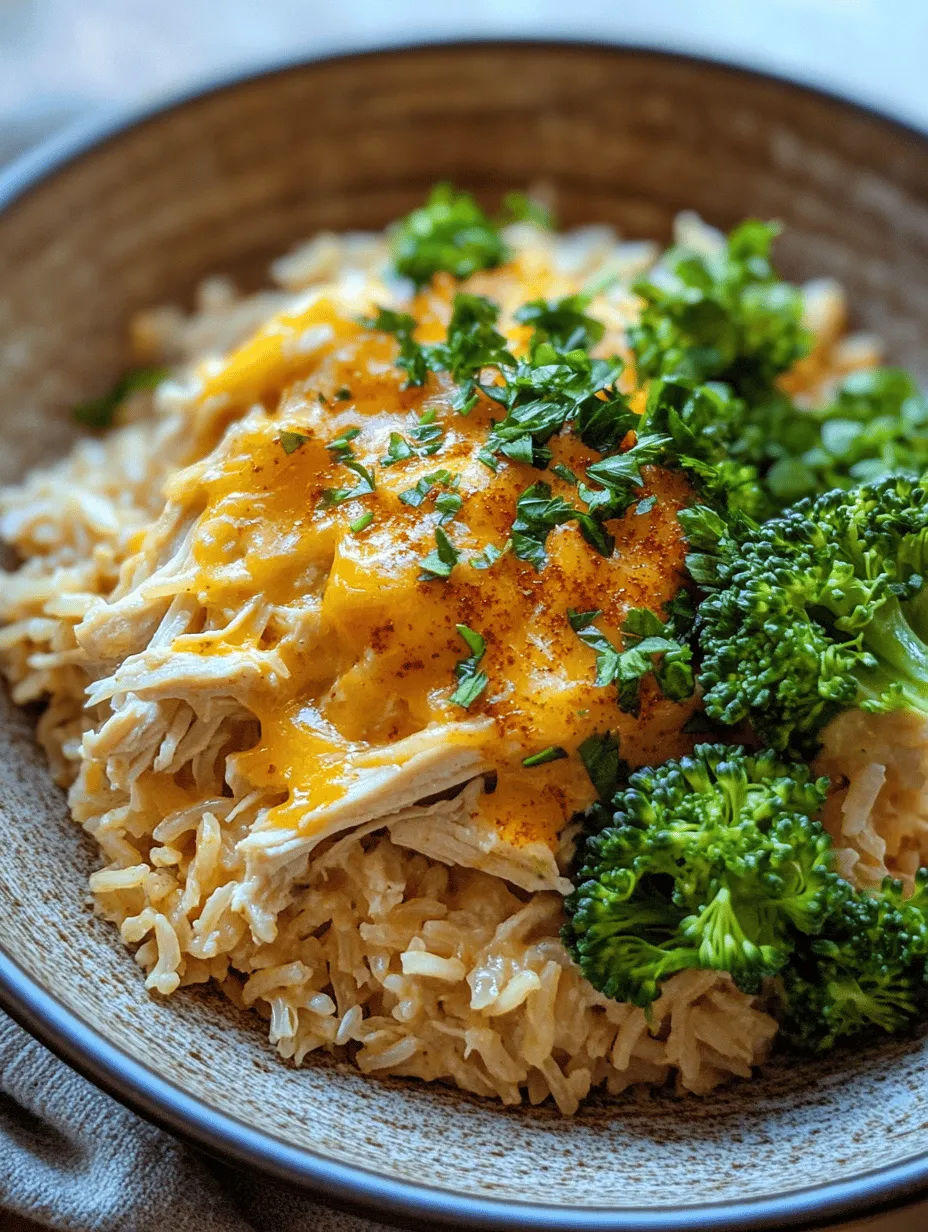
[[104, 222]]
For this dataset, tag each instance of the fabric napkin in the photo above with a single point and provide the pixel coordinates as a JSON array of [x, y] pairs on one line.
[[73, 1158]]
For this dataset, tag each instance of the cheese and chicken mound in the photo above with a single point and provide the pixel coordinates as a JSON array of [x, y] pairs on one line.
[[324, 723]]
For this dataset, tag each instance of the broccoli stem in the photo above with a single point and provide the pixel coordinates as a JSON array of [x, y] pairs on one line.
[[902, 656]]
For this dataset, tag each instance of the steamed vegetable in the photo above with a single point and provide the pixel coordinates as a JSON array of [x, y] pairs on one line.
[[710, 861], [716, 861], [819, 610]]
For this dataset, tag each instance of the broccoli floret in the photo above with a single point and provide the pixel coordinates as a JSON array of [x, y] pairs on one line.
[[717, 861], [876, 424], [819, 610], [832, 1004], [710, 861], [864, 974], [725, 317]]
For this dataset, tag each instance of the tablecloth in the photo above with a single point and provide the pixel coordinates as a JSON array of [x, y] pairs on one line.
[[73, 1158]]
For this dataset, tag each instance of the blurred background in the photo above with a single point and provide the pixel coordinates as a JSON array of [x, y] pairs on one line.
[[62, 59]]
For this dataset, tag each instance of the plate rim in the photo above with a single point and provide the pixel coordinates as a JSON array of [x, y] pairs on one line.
[[145, 1091]]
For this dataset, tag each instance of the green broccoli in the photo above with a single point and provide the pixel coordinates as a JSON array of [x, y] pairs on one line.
[[725, 317], [819, 610], [865, 973], [716, 861], [711, 861], [758, 458], [876, 424]]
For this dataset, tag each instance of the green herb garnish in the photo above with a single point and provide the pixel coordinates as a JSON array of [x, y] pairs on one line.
[[565, 473], [450, 232], [472, 343], [361, 523], [340, 448], [439, 562], [724, 317], [99, 412], [448, 504], [290, 442], [471, 682], [600, 755], [562, 322], [549, 390], [427, 433], [645, 636], [415, 496], [490, 555], [553, 752], [398, 451], [537, 514], [338, 496]]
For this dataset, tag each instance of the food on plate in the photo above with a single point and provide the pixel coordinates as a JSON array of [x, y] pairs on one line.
[[495, 654]]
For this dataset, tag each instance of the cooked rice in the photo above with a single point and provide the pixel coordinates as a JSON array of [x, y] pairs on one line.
[[403, 964]]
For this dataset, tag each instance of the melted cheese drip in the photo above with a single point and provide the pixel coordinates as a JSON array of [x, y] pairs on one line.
[[369, 647]]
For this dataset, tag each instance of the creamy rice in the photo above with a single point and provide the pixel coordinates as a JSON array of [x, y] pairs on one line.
[[370, 950]]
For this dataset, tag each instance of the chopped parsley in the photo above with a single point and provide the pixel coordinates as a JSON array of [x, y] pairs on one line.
[[100, 412], [414, 497], [290, 442], [451, 233], [489, 556], [412, 356], [645, 505], [340, 448], [427, 433], [720, 317], [398, 451], [472, 343], [471, 682], [541, 393], [441, 560], [553, 752], [709, 433], [520, 207], [562, 322], [361, 523], [448, 504], [548, 390], [644, 635], [343, 394], [600, 756], [619, 475], [538, 512], [338, 496]]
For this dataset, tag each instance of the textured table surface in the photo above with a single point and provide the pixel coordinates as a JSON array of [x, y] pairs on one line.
[[60, 60]]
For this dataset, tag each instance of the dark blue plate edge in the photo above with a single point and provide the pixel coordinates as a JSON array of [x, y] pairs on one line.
[[144, 1091]]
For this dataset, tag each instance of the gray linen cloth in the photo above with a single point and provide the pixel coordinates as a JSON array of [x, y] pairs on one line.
[[73, 1158]]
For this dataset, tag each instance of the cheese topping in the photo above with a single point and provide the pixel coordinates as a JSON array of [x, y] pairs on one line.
[[365, 640]]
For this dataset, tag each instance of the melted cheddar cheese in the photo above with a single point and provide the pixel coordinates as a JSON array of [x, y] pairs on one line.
[[366, 646]]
